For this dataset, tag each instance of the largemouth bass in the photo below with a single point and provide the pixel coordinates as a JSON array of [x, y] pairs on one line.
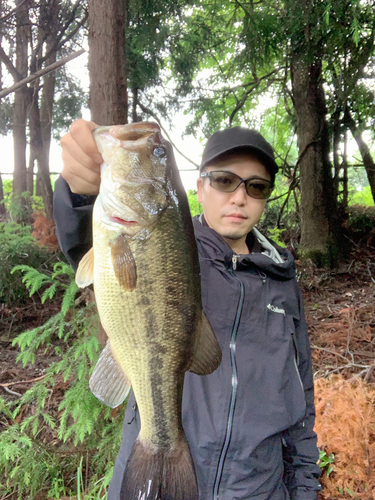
[[145, 270]]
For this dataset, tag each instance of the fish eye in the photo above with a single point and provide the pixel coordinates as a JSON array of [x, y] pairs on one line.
[[160, 152]]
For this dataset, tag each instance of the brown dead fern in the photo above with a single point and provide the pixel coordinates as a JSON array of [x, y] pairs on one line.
[[345, 424]]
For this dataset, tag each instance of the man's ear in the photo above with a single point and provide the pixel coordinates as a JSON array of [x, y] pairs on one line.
[[199, 189]]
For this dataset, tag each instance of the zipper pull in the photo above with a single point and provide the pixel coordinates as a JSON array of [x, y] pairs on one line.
[[234, 261]]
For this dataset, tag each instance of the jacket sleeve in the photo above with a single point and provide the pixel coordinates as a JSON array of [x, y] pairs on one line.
[[300, 442], [73, 217]]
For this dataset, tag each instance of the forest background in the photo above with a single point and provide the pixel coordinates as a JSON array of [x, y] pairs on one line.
[[300, 72]]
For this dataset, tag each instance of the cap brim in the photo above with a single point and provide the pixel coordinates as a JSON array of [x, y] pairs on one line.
[[268, 162]]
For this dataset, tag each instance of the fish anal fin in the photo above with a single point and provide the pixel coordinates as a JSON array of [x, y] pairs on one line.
[[159, 474], [108, 382], [123, 263], [207, 352], [85, 271]]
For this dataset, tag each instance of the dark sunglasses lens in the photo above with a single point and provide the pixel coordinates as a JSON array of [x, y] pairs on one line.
[[258, 189], [224, 181]]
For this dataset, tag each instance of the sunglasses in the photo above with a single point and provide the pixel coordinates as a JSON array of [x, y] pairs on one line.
[[228, 182]]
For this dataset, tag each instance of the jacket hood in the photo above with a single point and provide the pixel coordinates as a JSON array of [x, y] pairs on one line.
[[266, 256]]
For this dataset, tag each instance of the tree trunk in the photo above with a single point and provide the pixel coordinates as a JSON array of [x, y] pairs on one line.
[[49, 24], [46, 107], [20, 103], [367, 159], [2, 204], [44, 188], [336, 151], [134, 105], [43, 178], [318, 205], [30, 173], [107, 62], [345, 180]]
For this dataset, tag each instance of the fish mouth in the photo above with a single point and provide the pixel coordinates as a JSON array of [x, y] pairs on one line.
[[123, 222], [133, 136]]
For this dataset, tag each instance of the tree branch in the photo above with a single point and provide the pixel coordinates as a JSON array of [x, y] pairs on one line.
[[59, 43], [40, 73], [256, 84], [12, 12], [9, 66]]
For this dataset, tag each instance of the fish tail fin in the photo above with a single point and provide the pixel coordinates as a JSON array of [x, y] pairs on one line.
[[159, 475]]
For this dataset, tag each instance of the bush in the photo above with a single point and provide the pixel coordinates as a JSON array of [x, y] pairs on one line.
[[195, 206], [361, 221], [17, 246]]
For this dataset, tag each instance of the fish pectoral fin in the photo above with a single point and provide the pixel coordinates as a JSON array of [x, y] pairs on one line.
[[207, 352], [123, 263], [108, 382], [85, 271]]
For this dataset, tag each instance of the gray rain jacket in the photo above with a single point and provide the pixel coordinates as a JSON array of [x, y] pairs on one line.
[[250, 423]]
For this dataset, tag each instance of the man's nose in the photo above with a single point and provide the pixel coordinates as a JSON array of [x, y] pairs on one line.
[[239, 195]]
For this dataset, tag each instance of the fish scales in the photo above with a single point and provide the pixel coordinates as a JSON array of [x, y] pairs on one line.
[[161, 328], [145, 270]]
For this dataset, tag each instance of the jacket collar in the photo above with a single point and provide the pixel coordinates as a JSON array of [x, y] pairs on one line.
[[265, 255]]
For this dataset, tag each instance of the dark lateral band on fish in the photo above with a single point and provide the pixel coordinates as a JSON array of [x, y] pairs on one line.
[[149, 305]]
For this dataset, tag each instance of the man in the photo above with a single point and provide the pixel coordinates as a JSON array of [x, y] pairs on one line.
[[250, 423]]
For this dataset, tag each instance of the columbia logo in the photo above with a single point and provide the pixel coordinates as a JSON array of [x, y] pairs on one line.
[[276, 309]]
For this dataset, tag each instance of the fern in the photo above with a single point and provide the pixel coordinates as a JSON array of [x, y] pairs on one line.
[[33, 279], [81, 426], [17, 246]]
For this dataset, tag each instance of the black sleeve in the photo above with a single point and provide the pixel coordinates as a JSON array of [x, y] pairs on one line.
[[73, 217], [300, 442]]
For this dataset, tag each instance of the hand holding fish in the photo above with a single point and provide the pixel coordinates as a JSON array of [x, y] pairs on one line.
[[81, 158]]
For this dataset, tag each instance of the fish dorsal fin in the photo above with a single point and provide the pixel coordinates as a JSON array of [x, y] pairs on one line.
[[85, 272], [108, 382], [207, 352], [123, 263]]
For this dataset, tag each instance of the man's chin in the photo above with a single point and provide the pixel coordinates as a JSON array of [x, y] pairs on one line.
[[235, 233], [233, 236]]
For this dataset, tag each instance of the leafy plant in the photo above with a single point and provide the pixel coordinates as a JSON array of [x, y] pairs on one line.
[[195, 206], [361, 221], [326, 461], [17, 246], [45, 443], [275, 234]]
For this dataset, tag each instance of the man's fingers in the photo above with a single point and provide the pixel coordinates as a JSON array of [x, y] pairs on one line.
[[78, 176], [87, 183], [81, 186], [81, 133], [72, 151], [81, 158]]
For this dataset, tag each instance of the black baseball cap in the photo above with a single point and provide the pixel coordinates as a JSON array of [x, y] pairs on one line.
[[239, 138]]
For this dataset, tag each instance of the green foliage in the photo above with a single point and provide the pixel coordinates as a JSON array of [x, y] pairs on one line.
[[6, 116], [362, 197], [17, 246], [275, 234], [195, 206], [326, 461], [361, 220], [68, 102], [44, 447]]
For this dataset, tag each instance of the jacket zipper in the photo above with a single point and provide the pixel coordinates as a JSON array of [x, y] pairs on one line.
[[232, 346], [296, 361]]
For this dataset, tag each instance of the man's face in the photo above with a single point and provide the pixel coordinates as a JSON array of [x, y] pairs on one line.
[[233, 215]]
